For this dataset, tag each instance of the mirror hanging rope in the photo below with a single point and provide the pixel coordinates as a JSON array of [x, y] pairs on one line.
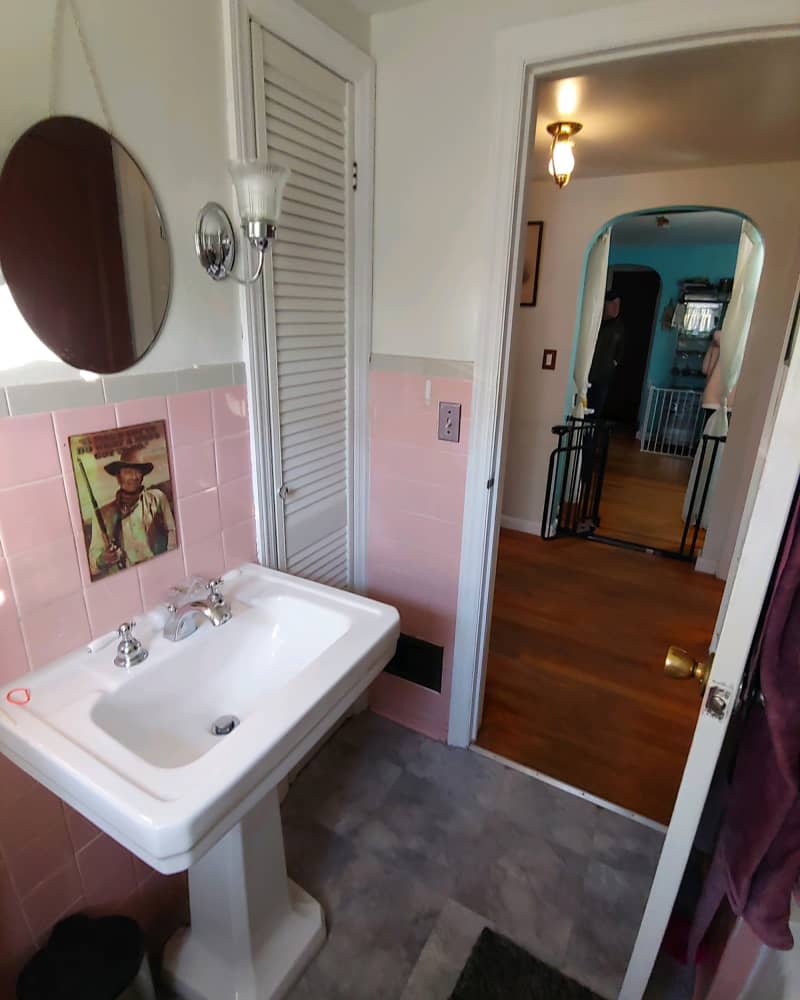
[[55, 61]]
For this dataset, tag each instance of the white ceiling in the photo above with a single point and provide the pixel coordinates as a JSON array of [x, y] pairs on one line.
[[380, 6], [703, 107], [684, 229]]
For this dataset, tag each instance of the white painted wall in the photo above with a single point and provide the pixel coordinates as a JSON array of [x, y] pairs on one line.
[[342, 17], [770, 195], [432, 203], [161, 68]]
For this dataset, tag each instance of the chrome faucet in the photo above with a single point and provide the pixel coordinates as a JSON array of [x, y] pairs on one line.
[[187, 618]]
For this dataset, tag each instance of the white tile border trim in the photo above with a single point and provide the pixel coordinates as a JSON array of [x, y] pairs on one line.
[[43, 397], [437, 367], [571, 789]]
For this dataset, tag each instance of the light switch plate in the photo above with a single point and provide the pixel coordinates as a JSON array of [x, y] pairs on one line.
[[449, 421], [549, 359]]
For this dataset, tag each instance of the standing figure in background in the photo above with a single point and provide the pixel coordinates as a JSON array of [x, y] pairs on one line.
[[608, 353]]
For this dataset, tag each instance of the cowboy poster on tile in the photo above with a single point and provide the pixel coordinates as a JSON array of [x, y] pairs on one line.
[[124, 489]]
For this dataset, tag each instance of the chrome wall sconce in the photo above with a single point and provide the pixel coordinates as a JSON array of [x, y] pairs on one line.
[[562, 151], [259, 193]]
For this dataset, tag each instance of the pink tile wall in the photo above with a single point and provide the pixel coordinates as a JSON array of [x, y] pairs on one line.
[[52, 861], [415, 514]]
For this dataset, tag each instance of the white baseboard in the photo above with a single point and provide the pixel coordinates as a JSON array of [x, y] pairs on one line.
[[706, 565], [520, 524]]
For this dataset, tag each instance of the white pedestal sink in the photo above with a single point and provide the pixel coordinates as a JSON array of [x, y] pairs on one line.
[[253, 930], [134, 751]]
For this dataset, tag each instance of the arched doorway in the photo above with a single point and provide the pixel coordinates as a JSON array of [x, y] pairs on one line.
[[649, 374]]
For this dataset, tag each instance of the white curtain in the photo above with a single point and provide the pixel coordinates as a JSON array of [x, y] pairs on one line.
[[733, 339], [594, 291]]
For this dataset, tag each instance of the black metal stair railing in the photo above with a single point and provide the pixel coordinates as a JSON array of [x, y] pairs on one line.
[[709, 448], [575, 475]]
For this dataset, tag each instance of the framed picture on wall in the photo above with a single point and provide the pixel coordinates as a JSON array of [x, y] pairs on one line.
[[530, 264], [124, 486]]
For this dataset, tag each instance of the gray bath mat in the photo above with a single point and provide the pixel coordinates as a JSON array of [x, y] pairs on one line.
[[498, 969]]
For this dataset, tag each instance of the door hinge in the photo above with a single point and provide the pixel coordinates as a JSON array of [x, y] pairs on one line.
[[490, 483], [355, 176]]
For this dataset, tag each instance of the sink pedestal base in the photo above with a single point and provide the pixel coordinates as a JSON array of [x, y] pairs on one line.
[[253, 931]]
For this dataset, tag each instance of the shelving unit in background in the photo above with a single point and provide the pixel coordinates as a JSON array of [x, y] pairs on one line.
[[700, 311], [672, 422]]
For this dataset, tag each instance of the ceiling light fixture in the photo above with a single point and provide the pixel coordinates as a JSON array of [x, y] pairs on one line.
[[562, 151]]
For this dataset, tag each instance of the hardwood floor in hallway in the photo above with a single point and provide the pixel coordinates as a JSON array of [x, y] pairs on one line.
[[643, 495], [575, 685]]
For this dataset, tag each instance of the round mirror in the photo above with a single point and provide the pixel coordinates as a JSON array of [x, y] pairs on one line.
[[83, 247]]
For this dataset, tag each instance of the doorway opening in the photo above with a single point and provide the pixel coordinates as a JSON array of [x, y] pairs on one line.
[[655, 379], [665, 313], [574, 689], [638, 287], [579, 630]]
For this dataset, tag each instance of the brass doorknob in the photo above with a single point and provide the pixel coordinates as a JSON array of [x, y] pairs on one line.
[[681, 665]]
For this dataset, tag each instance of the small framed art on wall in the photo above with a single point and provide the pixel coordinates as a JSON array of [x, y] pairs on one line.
[[532, 252]]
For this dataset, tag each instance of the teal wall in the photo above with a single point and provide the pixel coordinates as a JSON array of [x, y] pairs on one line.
[[673, 263]]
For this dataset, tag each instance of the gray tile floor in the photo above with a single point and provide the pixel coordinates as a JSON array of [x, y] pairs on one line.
[[412, 847]]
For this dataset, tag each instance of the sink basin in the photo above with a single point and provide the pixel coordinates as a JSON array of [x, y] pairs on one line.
[[135, 751], [165, 717]]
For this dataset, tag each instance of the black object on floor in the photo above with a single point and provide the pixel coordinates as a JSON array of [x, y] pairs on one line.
[[84, 959], [498, 969]]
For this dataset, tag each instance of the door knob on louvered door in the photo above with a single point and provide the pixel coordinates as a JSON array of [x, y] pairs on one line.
[[284, 491]]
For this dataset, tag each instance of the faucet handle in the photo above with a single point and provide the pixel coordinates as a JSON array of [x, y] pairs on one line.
[[129, 650], [214, 596]]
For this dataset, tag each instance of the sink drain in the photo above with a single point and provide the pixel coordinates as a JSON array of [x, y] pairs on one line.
[[224, 724]]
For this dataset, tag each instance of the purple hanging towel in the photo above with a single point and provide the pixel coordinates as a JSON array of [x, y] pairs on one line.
[[756, 862]]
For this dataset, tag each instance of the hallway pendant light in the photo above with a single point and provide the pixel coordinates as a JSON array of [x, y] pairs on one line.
[[562, 151]]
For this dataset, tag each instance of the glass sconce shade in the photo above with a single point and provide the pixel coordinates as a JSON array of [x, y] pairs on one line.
[[259, 190], [561, 161]]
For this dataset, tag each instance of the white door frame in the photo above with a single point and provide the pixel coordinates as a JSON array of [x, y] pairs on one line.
[[520, 54], [305, 32]]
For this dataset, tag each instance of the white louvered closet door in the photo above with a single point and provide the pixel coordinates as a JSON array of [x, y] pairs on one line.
[[303, 121]]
